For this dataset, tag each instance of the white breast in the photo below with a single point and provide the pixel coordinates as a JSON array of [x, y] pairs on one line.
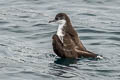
[[60, 29]]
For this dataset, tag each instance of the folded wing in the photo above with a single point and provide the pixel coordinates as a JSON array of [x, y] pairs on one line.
[[69, 49]]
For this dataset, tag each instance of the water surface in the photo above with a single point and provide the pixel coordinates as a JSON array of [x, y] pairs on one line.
[[25, 39]]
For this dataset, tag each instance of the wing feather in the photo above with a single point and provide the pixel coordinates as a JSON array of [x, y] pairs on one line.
[[68, 49]]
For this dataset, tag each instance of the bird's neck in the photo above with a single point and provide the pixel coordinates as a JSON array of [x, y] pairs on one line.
[[60, 31]]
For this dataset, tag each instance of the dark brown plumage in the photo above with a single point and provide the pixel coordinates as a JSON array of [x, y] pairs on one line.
[[71, 47]]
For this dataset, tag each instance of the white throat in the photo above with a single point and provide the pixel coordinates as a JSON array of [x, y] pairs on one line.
[[61, 24]]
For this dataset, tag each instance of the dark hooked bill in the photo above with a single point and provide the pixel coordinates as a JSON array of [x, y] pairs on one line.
[[52, 21]]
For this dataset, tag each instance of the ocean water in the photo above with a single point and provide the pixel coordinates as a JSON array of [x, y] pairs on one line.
[[26, 39]]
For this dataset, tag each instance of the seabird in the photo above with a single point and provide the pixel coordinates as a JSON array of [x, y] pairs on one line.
[[66, 43]]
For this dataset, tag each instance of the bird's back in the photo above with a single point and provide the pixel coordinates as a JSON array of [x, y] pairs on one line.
[[69, 49]]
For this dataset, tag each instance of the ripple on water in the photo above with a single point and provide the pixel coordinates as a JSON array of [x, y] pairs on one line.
[[116, 33], [87, 14], [114, 38], [25, 39], [24, 16], [3, 22], [39, 24], [16, 26], [95, 43], [90, 31], [15, 31]]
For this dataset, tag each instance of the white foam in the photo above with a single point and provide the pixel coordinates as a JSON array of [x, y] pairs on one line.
[[99, 57]]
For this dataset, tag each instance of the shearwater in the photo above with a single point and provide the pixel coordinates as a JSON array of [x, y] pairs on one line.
[[66, 43]]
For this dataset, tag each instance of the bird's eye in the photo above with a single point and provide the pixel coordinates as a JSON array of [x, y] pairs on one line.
[[56, 18]]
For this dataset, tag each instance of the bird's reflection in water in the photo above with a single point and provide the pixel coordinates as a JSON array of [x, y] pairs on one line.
[[66, 67], [65, 61], [63, 67]]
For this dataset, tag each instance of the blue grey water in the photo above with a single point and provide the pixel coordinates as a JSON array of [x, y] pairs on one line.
[[26, 37]]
